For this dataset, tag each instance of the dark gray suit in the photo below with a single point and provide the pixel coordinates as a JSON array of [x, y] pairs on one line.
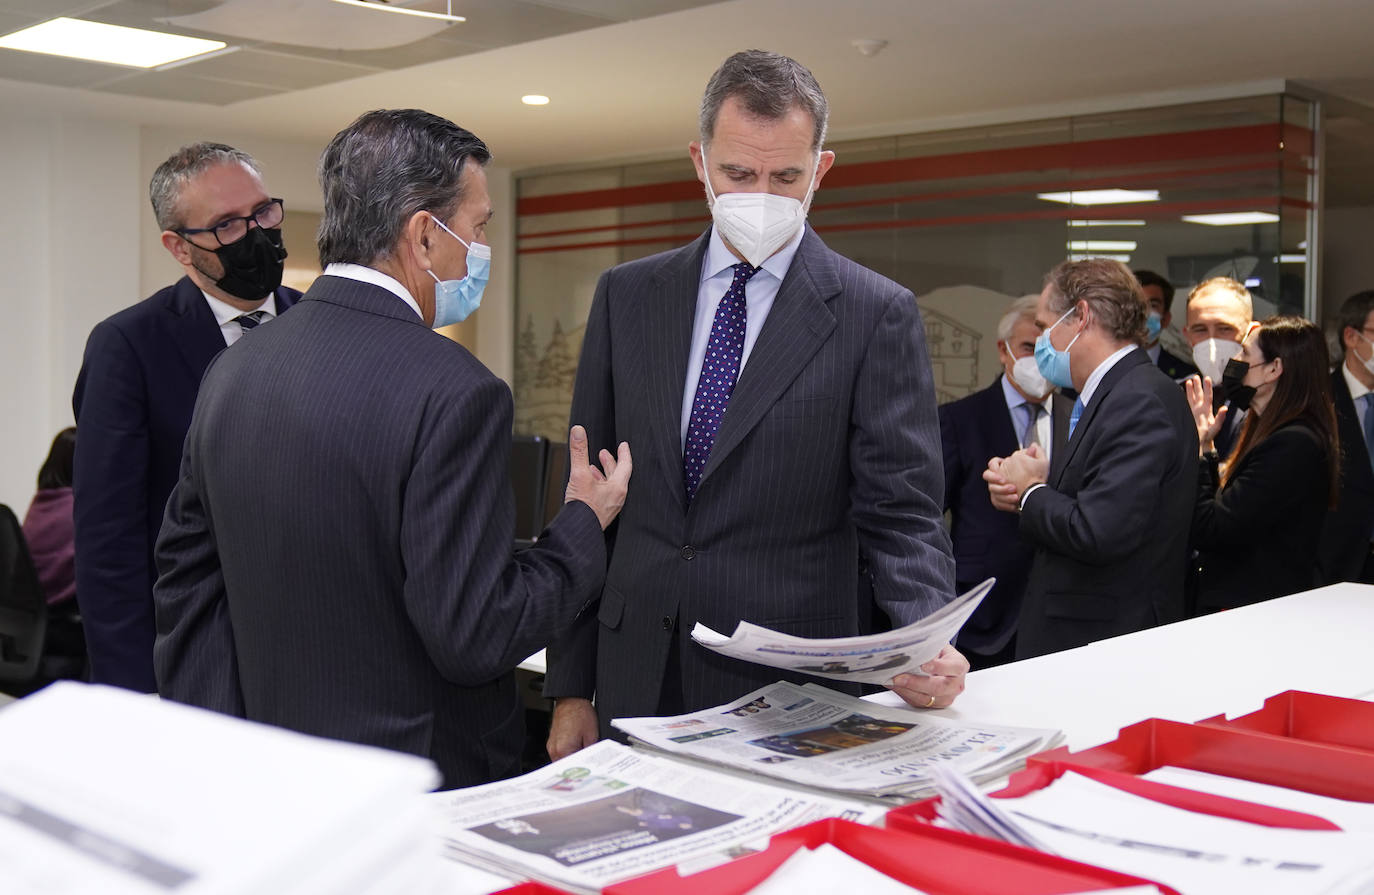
[[1111, 527], [829, 450], [336, 557]]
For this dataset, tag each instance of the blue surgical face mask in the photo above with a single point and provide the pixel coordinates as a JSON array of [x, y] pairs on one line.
[[1054, 362], [455, 300], [1153, 324]]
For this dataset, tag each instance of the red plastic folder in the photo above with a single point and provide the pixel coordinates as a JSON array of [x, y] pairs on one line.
[[937, 861], [1330, 720], [532, 888]]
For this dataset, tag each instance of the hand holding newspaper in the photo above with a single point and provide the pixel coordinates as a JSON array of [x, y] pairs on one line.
[[872, 658]]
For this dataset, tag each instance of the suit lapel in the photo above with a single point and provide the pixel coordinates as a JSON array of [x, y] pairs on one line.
[[1361, 476], [670, 312], [1109, 381], [1060, 410], [195, 331], [1002, 437], [797, 325]]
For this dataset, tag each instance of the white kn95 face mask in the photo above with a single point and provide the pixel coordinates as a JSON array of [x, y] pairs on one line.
[[757, 224]]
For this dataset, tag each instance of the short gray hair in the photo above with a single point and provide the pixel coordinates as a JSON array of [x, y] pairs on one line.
[[769, 85], [380, 171], [1234, 288], [186, 164], [1022, 308], [1113, 294]]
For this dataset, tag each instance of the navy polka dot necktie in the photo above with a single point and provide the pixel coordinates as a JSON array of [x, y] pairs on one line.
[[719, 369]]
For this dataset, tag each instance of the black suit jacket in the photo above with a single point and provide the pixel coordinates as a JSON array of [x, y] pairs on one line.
[[1257, 537], [336, 557], [1111, 526], [1345, 534], [973, 430], [1174, 366], [133, 402], [828, 448]]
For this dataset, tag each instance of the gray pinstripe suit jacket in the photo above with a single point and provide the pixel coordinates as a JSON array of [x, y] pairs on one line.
[[336, 557], [829, 449]]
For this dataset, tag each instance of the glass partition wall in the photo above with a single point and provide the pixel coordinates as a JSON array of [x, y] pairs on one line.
[[967, 219]]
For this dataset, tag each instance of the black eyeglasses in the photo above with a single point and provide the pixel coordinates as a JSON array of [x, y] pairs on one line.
[[231, 230]]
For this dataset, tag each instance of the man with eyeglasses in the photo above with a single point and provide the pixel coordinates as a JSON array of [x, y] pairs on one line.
[[138, 384]]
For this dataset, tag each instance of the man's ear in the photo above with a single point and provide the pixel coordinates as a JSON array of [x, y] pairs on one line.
[[177, 246], [418, 238], [823, 165], [698, 160]]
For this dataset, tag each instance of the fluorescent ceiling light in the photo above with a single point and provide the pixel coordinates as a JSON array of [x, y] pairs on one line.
[[1292, 259], [1121, 223], [113, 44], [1124, 259], [534, 99], [1253, 282], [1232, 218], [424, 14], [1102, 245], [1100, 197]]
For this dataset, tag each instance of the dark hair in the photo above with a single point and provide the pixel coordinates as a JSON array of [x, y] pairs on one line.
[[380, 171], [1354, 312], [1150, 278], [1302, 393], [1111, 291], [769, 85], [187, 163], [56, 471]]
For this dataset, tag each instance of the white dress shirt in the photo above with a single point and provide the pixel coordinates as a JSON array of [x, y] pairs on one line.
[[226, 315], [716, 275], [1357, 393], [376, 278]]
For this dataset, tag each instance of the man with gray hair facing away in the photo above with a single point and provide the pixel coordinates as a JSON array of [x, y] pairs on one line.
[[336, 557], [782, 408], [138, 382]]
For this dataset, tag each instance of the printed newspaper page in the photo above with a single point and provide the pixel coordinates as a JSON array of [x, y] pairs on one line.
[[872, 659], [609, 813], [813, 736]]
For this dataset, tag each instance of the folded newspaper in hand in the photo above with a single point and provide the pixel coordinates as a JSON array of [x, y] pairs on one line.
[[812, 736], [872, 658], [609, 813]]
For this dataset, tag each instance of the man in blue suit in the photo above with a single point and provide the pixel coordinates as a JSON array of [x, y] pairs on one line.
[[138, 384], [1020, 409]]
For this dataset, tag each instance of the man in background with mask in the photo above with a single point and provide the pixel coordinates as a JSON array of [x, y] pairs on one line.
[[781, 405], [1109, 513], [1346, 552], [1020, 409], [1220, 314], [1159, 296], [138, 383], [336, 557]]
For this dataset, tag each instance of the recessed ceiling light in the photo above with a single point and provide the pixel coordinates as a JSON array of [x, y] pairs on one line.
[[1292, 259], [1121, 223], [386, 7], [1102, 245], [1100, 197], [1124, 259], [1232, 218], [113, 44], [534, 99]]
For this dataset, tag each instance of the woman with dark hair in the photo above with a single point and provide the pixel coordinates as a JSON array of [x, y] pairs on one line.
[[1258, 516], [48, 527]]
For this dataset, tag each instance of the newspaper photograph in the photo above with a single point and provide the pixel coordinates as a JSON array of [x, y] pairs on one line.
[[812, 736], [609, 813], [870, 659]]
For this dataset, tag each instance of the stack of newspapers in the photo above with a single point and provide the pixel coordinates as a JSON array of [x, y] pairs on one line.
[[815, 737], [112, 792], [610, 813]]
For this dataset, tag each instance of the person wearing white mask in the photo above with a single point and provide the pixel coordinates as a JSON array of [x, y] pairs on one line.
[[336, 557], [782, 408], [1220, 314], [1019, 409], [1346, 550]]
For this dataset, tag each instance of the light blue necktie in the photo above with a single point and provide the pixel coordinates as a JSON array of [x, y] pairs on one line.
[[1368, 399], [1074, 416]]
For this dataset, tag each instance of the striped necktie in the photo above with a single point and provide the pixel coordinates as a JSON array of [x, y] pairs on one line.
[[250, 320]]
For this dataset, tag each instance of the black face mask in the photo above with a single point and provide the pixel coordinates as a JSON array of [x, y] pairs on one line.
[[1232, 378], [252, 266]]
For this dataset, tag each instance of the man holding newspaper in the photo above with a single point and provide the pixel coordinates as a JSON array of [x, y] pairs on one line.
[[784, 401]]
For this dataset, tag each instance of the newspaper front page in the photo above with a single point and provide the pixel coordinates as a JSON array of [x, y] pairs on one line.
[[870, 659], [609, 813], [812, 736]]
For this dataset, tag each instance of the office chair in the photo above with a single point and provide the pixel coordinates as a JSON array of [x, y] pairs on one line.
[[23, 611], [529, 455]]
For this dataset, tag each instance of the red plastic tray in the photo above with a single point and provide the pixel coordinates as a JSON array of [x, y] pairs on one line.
[[533, 888], [1332, 720], [935, 860]]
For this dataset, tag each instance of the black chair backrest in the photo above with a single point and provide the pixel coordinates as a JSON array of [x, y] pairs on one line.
[[529, 456], [23, 608], [555, 480]]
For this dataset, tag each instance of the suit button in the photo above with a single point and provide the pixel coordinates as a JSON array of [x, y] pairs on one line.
[[667, 623], [688, 552]]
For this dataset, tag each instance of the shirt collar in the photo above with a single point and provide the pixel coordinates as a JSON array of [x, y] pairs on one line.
[[376, 278], [224, 312], [1357, 389], [719, 259], [1091, 385]]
